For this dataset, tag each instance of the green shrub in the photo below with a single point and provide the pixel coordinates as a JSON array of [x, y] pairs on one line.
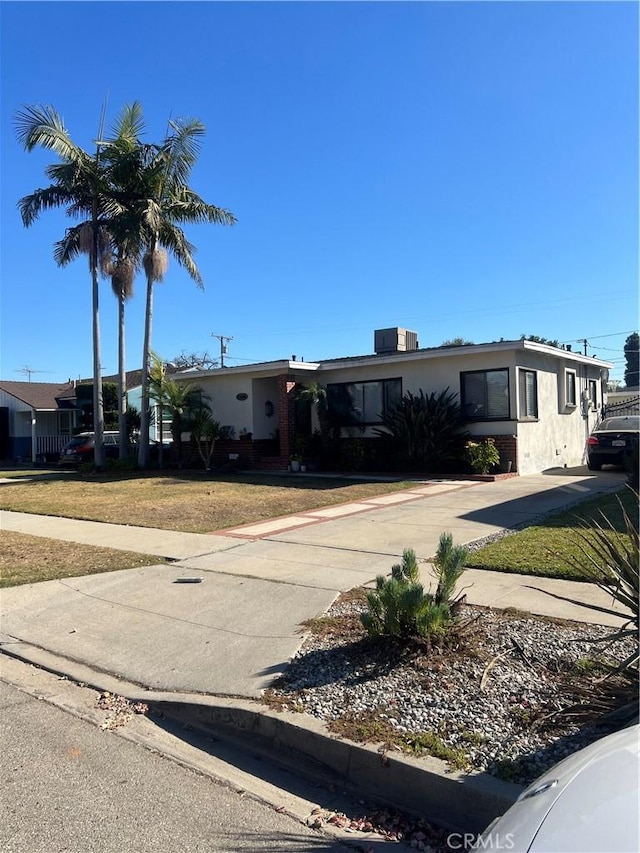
[[481, 455], [427, 431], [115, 465], [448, 566], [399, 606]]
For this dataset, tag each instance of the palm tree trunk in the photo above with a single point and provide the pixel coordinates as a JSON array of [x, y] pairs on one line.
[[98, 402], [143, 447], [122, 382]]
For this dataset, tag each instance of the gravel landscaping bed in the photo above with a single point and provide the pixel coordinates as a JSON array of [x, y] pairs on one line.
[[488, 700]]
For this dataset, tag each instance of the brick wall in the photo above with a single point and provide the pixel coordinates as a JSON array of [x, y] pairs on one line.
[[507, 447]]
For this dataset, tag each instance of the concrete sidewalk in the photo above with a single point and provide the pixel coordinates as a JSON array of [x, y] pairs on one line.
[[201, 652], [231, 632]]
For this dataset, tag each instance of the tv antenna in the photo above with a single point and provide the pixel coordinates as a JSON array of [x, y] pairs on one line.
[[28, 371]]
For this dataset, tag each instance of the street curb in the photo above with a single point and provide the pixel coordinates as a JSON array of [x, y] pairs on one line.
[[423, 787]]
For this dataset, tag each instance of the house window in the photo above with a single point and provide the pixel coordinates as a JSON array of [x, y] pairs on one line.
[[528, 393], [66, 422], [485, 395], [363, 403], [593, 393], [570, 388]]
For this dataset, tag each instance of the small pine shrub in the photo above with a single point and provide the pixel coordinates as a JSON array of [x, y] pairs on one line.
[[399, 606], [448, 566]]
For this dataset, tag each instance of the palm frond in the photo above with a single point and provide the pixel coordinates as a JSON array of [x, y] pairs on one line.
[[181, 149], [79, 240], [49, 198], [187, 206], [72, 245], [41, 126], [129, 124], [174, 239]]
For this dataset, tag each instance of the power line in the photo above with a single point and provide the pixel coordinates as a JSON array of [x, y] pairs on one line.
[[597, 337], [223, 347]]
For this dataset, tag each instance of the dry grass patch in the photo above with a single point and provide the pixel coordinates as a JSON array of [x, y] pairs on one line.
[[193, 504], [30, 559]]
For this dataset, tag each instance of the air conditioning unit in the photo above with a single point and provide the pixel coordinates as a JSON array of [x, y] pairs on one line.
[[395, 340]]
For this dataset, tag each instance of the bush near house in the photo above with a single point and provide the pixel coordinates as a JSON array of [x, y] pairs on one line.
[[481, 455], [427, 431]]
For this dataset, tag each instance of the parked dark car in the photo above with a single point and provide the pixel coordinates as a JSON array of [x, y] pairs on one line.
[[612, 440], [81, 448]]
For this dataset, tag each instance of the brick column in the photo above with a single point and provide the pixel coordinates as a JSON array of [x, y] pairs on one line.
[[286, 384]]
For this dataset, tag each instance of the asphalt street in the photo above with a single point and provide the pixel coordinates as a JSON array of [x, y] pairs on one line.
[[69, 786]]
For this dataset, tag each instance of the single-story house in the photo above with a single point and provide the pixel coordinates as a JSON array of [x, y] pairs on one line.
[[38, 418], [539, 402]]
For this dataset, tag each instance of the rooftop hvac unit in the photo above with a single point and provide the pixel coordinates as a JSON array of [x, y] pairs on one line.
[[395, 340]]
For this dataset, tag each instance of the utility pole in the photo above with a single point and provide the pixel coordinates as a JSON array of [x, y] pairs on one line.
[[584, 341], [223, 346]]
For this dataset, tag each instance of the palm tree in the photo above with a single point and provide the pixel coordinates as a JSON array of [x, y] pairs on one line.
[[179, 399], [79, 185], [157, 392], [118, 152], [155, 200]]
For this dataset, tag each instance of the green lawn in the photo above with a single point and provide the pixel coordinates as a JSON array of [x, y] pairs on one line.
[[548, 547]]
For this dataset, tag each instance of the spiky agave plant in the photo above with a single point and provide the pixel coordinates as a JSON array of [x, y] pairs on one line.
[[609, 558]]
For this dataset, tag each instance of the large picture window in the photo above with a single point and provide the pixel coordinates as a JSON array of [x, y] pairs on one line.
[[528, 393], [485, 395], [363, 403]]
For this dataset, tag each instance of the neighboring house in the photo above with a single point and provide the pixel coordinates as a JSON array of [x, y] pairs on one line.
[[36, 418], [537, 401], [134, 399]]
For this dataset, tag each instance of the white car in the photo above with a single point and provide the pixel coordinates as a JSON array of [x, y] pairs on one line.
[[587, 803]]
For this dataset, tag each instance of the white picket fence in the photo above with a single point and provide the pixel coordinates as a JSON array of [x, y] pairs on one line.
[[50, 443]]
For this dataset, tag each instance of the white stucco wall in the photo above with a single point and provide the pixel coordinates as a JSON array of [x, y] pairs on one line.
[[263, 390], [221, 390], [557, 438]]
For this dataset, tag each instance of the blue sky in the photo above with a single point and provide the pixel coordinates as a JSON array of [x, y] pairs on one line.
[[459, 169]]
